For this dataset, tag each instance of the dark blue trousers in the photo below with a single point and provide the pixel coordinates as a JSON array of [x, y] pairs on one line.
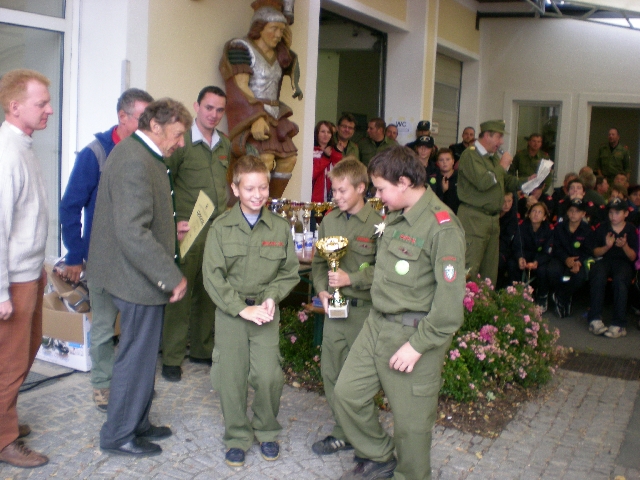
[[621, 274]]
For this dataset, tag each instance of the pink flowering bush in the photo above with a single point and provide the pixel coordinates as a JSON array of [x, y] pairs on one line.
[[296, 345], [503, 340]]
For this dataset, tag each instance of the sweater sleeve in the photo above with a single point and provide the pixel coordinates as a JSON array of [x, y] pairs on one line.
[[12, 181]]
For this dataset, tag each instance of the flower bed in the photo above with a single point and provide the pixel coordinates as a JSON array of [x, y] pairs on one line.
[[503, 340], [300, 359]]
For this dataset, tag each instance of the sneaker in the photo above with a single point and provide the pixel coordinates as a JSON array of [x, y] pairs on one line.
[[172, 373], [330, 445], [615, 332], [597, 327], [101, 398], [270, 451], [234, 457], [19, 455], [370, 470], [542, 302]]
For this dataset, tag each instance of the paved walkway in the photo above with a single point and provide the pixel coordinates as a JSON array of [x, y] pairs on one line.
[[575, 433]]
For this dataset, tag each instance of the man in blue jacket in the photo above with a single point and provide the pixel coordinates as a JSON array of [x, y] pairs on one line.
[[80, 195]]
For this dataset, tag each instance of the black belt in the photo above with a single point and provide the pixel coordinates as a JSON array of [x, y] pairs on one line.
[[410, 319], [359, 302]]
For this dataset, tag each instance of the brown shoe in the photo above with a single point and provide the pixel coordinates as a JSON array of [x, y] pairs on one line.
[[19, 455], [23, 430], [101, 398]]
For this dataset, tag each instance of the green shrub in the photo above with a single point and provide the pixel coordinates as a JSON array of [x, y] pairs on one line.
[[503, 340], [299, 356]]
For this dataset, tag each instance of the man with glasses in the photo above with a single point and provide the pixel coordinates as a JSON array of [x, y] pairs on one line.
[[346, 129], [80, 195]]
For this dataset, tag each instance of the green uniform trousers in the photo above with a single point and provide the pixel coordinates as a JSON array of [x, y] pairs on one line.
[[338, 336], [413, 398], [103, 322], [192, 318], [482, 235], [247, 354]]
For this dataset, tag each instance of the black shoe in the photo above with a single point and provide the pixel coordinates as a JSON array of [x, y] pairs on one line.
[[560, 309], [155, 433], [270, 451], [138, 447], [330, 445], [200, 360], [370, 470], [234, 457], [171, 373]]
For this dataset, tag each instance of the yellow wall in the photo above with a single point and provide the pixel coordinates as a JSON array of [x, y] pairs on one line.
[[457, 24], [393, 8], [186, 39]]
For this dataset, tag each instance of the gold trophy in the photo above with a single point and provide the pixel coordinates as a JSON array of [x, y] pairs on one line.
[[332, 249]]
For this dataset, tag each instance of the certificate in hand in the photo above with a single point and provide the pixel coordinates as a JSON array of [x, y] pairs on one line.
[[543, 171], [202, 211]]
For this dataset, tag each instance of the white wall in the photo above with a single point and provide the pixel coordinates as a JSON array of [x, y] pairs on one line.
[[574, 62], [111, 31]]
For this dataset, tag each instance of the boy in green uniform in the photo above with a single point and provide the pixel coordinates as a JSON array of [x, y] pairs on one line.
[[417, 292], [249, 266], [355, 220]]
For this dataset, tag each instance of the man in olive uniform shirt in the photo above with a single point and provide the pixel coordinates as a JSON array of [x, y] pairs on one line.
[[346, 129], [526, 161], [482, 183], [375, 141], [200, 165], [613, 158], [417, 294], [355, 220]]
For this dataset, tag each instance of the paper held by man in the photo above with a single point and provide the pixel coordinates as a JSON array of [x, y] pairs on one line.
[[543, 171], [202, 211]]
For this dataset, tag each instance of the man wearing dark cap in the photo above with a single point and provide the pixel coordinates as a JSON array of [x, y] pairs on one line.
[[375, 141], [424, 147], [483, 179], [468, 137], [423, 128]]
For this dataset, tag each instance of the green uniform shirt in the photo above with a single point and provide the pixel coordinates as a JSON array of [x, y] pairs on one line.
[[195, 167], [525, 165], [368, 148], [612, 162], [360, 258], [482, 181], [240, 262], [352, 148], [420, 268]]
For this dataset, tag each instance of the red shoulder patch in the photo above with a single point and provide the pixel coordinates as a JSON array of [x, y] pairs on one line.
[[442, 217]]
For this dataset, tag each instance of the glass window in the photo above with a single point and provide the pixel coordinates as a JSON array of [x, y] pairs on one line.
[[50, 8], [41, 50], [542, 119]]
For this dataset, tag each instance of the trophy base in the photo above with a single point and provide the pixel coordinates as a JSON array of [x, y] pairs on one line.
[[338, 311]]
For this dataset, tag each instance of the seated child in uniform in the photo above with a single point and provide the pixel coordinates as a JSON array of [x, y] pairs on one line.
[[508, 229], [572, 247], [355, 220], [249, 266], [532, 252], [616, 242]]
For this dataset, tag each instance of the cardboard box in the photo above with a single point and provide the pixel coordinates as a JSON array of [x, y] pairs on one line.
[[66, 336]]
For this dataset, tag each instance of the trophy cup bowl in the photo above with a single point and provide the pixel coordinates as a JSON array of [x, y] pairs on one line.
[[332, 249]]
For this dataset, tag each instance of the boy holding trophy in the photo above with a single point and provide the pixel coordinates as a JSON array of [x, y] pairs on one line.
[[354, 220], [417, 293]]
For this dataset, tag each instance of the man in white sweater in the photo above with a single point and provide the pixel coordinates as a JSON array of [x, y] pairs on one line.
[[25, 99]]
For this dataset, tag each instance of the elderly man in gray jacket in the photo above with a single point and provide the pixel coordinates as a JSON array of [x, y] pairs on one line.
[[132, 256]]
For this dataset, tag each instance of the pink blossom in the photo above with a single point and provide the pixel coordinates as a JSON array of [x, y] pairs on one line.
[[316, 358], [453, 354], [527, 319], [302, 316], [463, 344], [293, 339], [511, 290], [472, 386], [522, 373], [487, 333], [481, 356], [473, 287], [468, 303]]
